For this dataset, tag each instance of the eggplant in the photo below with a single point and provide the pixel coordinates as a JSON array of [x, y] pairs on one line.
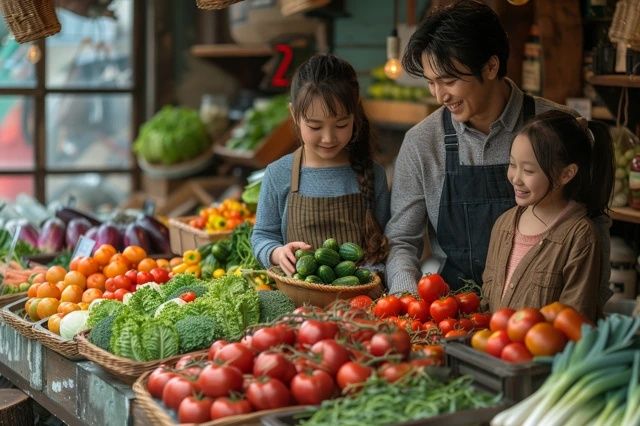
[[157, 232], [52, 236], [108, 233], [75, 229], [136, 235], [66, 214], [29, 234]]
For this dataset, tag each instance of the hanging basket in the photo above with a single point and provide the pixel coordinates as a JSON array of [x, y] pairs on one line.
[[30, 20], [625, 26], [215, 4], [290, 7]]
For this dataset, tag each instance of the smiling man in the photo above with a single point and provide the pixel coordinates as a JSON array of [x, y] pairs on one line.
[[451, 172]]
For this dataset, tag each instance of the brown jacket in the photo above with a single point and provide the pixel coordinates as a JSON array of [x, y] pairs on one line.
[[564, 266]]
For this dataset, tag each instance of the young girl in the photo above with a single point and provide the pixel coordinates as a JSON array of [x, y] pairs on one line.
[[329, 187], [547, 248]]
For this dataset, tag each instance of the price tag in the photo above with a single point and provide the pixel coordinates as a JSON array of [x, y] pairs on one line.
[[149, 207], [14, 242], [71, 202], [84, 247]]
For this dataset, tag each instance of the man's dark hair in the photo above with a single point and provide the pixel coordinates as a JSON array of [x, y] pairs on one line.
[[468, 31]]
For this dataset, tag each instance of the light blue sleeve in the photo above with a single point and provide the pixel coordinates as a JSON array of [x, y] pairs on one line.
[[267, 232]]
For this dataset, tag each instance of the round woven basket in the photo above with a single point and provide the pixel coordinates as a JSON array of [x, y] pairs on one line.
[[30, 20], [302, 292], [215, 4], [13, 314], [66, 348]]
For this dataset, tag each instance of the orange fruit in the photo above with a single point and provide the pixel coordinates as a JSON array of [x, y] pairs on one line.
[[175, 261], [55, 273], [66, 307], [119, 257], [48, 290], [103, 254], [54, 323], [73, 265], [87, 266], [72, 293], [75, 278], [113, 269], [33, 290], [61, 285], [83, 306], [147, 264], [47, 307], [134, 254], [39, 278], [162, 263], [91, 294], [96, 281], [32, 308]]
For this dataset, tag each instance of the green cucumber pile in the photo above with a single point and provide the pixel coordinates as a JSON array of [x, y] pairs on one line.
[[332, 264]]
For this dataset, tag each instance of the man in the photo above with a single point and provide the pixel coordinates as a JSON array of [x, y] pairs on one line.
[[451, 171]]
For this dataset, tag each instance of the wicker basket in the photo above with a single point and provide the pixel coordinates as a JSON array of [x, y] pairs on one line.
[[289, 7], [215, 4], [157, 415], [30, 20], [125, 369], [184, 237], [625, 26], [13, 315], [66, 348], [321, 295], [10, 298]]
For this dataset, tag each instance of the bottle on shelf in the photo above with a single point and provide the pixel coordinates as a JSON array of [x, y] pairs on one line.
[[532, 65]]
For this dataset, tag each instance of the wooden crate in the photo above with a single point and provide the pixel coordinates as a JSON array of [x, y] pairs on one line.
[[184, 237]]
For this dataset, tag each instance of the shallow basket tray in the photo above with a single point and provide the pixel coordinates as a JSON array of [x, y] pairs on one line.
[[66, 348], [321, 295], [12, 314], [185, 237], [158, 415], [125, 369], [215, 4]]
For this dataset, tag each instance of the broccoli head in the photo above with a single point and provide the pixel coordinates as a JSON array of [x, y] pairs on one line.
[[274, 304], [100, 335], [197, 332]]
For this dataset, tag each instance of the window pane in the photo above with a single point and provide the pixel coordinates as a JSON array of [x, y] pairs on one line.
[[93, 192], [16, 133], [92, 52], [11, 186], [88, 131], [16, 60]]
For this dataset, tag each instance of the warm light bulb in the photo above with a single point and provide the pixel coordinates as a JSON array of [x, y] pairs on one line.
[[518, 2], [34, 54], [393, 68]]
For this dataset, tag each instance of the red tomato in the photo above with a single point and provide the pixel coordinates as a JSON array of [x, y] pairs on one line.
[[456, 333], [405, 300], [157, 380], [444, 308], [394, 342], [236, 355], [430, 325], [219, 380], [516, 352], [521, 321], [194, 410], [274, 365], [215, 347], [185, 361], [160, 275], [143, 277], [432, 351], [468, 302], [500, 318], [119, 293], [551, 311], [393, 372], [265, 393], [361, 302], [108, 295], [466, 324], [544, 339], [496, 343], [353, 374], [446, 325], [418, 309], [387, 306], [110, 285], [265, 338], [331, 355], [570, 321], [480, 338], [189, 296], [431, 287], [480, 320], [225, 406], [122, 281], [312, 388], [132, 274], [312, 331], [175, 390]]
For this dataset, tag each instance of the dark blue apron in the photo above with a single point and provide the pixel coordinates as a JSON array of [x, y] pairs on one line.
[[473, 197]]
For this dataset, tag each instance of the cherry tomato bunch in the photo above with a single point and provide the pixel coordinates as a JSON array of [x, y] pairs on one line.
[[309, 357], [437, 310], [224, 216], [518, 336], [117, 287]]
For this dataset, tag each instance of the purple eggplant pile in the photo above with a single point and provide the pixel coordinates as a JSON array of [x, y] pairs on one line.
[[63, 231]]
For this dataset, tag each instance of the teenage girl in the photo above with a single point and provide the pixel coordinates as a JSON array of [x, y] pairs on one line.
[[547, 248], [329, 187]]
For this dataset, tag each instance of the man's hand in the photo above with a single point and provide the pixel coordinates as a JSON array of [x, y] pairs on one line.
[[285, 256]]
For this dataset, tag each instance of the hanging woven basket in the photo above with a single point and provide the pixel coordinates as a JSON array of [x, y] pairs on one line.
[[30, 20], [215, 4]]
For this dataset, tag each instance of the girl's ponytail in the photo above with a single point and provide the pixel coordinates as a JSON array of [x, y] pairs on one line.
[[602, 169]]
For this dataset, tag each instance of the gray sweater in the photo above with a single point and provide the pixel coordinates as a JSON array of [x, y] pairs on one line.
[[270, 230], [419, 176]]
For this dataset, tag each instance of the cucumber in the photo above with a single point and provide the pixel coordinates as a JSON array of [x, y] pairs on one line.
[[326, 274], [313, 279], [348, 280], [297, 276], [364, 275], [326, 256], [306, 265], [331, 243], [345, 268], [351, 251], [300, 252]]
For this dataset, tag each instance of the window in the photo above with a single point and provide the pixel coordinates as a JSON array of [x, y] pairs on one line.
[[70, 106]]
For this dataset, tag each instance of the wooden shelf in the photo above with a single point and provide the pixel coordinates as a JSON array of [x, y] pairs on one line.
[[625, 214], [231, 50], [400, 114], [615, 80]]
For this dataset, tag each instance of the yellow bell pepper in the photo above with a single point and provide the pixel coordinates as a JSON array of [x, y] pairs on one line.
[[180, 268], [193, 269], [218, 273], [191, 257]]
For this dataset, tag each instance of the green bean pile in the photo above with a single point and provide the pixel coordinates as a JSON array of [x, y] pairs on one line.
[[416, 396]]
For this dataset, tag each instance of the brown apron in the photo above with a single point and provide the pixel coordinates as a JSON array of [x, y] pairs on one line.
[[314, 219]]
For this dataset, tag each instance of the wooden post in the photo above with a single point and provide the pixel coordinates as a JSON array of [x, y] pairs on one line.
[[15, 408]]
